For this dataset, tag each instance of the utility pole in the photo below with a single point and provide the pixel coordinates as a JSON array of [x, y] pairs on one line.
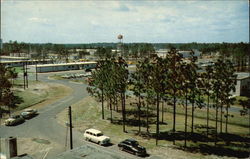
[[70, 128], [27, 81], [24, 76], [36, 72]]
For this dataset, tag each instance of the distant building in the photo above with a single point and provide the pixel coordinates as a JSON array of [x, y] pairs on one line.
[[1, 44], [21, 54], [65, 66], [187, 53], [242, 87], [162, 52]]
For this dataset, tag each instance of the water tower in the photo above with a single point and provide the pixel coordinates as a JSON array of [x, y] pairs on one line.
[[120, 44]]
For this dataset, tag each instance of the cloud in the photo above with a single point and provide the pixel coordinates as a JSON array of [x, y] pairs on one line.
[[140, 21], [38, 20], [123, 8]]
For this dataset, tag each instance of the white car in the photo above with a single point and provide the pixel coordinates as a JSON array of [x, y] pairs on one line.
[[28, 113], [96, 136], [13, 120]]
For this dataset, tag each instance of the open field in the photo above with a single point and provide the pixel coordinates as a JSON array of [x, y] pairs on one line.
[[87, 114]]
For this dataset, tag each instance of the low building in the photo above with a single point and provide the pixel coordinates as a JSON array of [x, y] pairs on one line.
[[20, 63], [20, 54], [162, 52], [242, 87], [65, 66], [11, 58], [186, 54]]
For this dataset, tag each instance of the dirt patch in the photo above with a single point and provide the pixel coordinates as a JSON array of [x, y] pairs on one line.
[[59, 90]]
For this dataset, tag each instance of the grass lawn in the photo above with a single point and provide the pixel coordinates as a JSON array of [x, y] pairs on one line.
[[87, 114], [38, 94]]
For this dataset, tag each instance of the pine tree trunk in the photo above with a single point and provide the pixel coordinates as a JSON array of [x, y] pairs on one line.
[[221, 119], [185, 144], [249, 120], [208, 114], [162, 111], [124, 109], [110, 106], [123, 112], [147, 118], [139, 114], [116, 103], [157, 118], [216, 118], [174, 112], [226, 119], [192, 115], [102, 106]]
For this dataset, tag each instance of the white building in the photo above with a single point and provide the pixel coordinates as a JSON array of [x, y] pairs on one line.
[[65, 66], [242, 87]]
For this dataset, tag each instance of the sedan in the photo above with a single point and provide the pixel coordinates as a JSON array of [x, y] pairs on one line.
[[14, 120], [29, 113], [132, 146]]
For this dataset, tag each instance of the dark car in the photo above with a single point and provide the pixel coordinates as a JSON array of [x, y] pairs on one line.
[[132, 146]]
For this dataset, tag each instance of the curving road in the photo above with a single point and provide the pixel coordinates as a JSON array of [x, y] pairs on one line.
[[45, 126]]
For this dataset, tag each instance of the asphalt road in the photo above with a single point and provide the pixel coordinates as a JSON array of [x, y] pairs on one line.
[[45, 125]]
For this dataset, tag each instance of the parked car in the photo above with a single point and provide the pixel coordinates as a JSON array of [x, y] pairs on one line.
[[132, 146], [29, 113], [96, 136], [14, 120]]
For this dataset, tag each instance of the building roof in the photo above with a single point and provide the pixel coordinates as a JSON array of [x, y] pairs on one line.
[[18, 61], [68, 64], [242, 75], [14, 58]]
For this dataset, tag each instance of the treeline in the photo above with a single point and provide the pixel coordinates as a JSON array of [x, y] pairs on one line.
[[238, 53], [166, 80], [8, 100], [228, 48]]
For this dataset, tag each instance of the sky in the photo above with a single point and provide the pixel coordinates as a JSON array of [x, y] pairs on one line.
[[162, 21]]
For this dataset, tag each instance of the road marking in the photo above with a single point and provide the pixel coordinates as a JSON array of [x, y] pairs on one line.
[[46, 152]]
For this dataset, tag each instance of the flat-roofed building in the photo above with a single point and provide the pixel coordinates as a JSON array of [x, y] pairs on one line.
[[242, 87], [10, 58], [65, 66]]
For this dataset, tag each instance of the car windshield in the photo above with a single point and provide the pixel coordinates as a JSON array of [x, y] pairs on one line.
[[99, 134], [135, 143]]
